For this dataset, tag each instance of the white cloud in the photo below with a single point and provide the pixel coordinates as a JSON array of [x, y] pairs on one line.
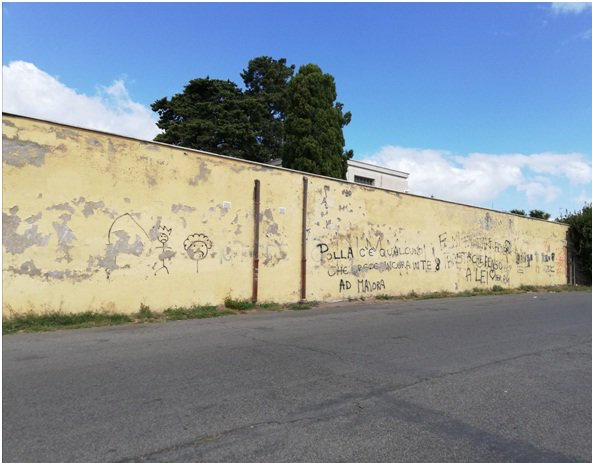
[[586, 35], [570, 7], [539, 188], [480, 178], [29, 91]]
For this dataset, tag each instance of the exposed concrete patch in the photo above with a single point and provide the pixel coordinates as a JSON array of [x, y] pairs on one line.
[[21, 153], [487, 222], [153, 232], [30, 269], [121, 245], [127, 200], [15, 243], [33, 218], [61, 207], [347, 193], [91, 206], [271, 258], [63, 133], [202, 176], [206, 215], [8, 123], [272, 229], [79, 201], [175, 208], [223, 210], [268, 214], [27, 268], [94, 142], [65, 237], [114, 214], [151, 179], [67, 275]]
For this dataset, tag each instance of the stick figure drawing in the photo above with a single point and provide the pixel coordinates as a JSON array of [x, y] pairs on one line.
[[197, 246], [164, 234]]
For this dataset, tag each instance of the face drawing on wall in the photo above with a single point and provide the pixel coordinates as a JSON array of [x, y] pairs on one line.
[[197, 246], [164, 234]]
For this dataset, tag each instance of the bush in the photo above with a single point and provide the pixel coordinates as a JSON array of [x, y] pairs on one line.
[[145, 312], [580, 236]]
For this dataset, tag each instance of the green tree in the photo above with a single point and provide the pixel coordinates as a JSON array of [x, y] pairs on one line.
[[580, 236], [314, 139], [538, 214], [211, 115], [266, 82], [518, 211]]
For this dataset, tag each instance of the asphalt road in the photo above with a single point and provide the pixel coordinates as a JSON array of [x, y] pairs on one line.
[[481, 379]]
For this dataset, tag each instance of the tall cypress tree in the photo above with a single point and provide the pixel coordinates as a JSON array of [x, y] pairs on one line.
[[314, 139], [266, 83]]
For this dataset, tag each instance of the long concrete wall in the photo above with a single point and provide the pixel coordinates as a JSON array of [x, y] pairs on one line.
[[99, 221]]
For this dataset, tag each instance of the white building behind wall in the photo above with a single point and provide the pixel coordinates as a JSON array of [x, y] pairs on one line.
[[371, 175], [381, 177]]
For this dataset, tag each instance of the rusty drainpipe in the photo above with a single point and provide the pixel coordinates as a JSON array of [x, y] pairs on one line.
[[303, 251], [257, 193]]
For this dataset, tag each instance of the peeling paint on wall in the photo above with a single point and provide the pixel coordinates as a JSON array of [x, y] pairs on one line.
[[65, 237], [91, 206], [202, 176], [17, 243], [22, 153], [29, 269], [180, 245], [61, 207], [176, 208]]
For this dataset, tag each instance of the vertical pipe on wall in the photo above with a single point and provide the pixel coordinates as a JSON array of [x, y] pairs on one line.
[[257, 197], [303, 249]]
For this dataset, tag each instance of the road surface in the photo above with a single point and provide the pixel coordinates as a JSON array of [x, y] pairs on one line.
[[479, 379]]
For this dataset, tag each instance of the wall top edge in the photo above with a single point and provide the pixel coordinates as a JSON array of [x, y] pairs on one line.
[[271, 167]]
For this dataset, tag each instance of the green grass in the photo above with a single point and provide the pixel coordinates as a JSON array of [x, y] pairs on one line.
[[57, 320], [493, 291], [271, 306], [195, 311], [239, 304], [49, 321]]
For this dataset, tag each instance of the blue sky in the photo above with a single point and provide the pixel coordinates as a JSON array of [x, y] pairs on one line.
[[488, 104]]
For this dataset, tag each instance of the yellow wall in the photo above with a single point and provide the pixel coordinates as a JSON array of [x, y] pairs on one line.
[[83, 211]]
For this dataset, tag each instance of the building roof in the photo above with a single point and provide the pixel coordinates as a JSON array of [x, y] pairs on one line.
[[380, 169]]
